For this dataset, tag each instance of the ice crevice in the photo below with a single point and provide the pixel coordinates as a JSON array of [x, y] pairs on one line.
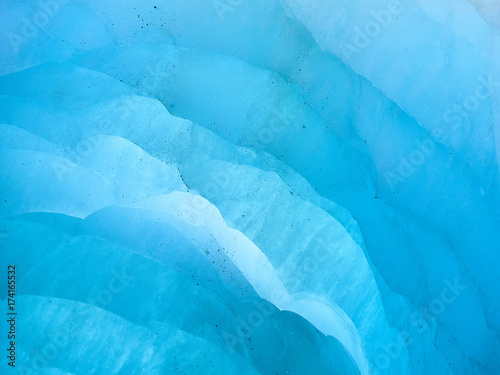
[[242, 186]]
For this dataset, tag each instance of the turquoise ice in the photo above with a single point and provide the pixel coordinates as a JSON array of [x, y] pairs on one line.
[[251, 187]]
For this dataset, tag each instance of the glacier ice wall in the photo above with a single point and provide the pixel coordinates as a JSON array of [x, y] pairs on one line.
[[251, 187]]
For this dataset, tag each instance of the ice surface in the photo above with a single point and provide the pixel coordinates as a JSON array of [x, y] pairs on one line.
[[252, 187]]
